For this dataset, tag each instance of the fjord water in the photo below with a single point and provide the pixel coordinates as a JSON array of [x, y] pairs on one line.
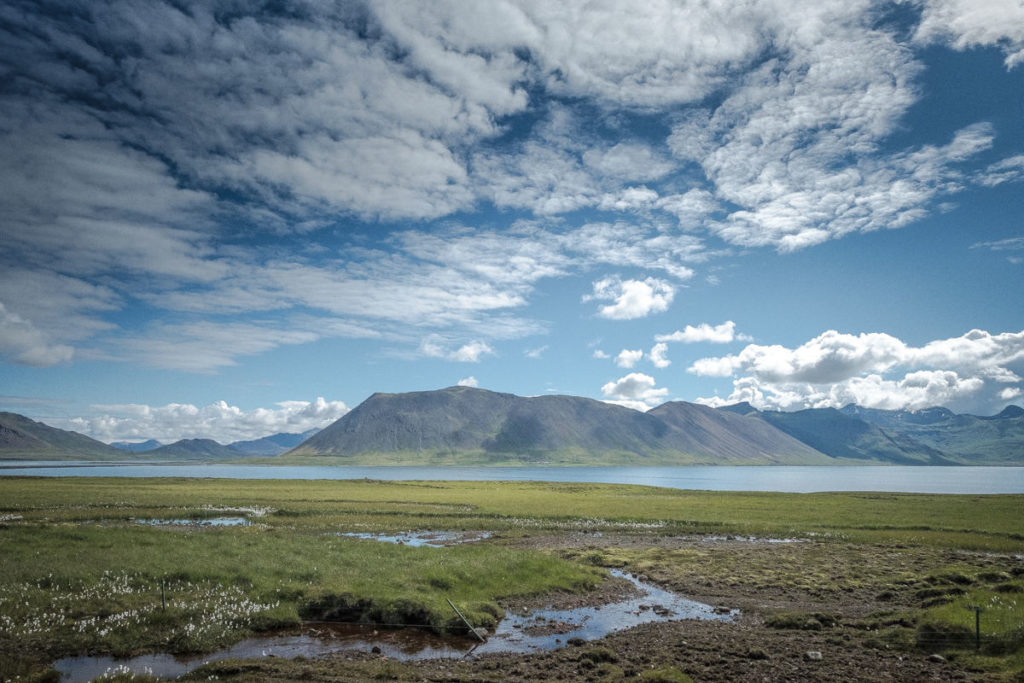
[[789, 479]]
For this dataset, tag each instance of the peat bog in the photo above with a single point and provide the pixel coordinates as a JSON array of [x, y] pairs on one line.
[[807, 586]]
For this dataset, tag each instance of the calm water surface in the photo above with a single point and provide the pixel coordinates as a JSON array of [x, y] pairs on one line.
[[771, 478]]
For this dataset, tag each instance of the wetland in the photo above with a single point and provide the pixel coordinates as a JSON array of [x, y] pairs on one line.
[[350, 580]]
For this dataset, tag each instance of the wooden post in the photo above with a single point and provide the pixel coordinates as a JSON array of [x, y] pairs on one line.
[[163, 599], [466, 622]]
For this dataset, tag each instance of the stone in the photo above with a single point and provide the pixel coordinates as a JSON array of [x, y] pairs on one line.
[[938, 659], [812, 656]]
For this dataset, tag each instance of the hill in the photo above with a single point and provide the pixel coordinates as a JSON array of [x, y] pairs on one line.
[[463, 425], [22, 438], [194, 449]]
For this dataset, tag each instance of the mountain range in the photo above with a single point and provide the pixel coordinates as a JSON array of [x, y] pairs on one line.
[[464, 425]]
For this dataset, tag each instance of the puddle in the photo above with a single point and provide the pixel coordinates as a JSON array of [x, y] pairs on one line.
[[198, 521], [750, 539], [539, 630], [430, 539]]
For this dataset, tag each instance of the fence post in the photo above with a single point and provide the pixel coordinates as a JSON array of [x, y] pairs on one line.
[[466, 622]]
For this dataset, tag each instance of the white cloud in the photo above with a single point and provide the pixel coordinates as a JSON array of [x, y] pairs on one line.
[[834, 369], [22, 342], [717, 334], [628, 358], [535, 353], [599, 354], [468, 382], [969, 23], [471, 352], [635, 390], [657, 355], [1008, 244], [218, 421], [1010, 393], [633, 298]]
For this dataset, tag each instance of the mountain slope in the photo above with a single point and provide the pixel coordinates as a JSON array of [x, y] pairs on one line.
[[842, 436], [727, 436], [475, 425], [275, 444], [136, 447], [194, 449], [968, 439], [22, 438]]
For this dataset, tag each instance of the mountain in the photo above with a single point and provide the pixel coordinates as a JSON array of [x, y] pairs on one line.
[[274, 444], [966, 439], [194, 449], [22, 438], [468, 425], [136, 447], [844, 436], [728, 436]]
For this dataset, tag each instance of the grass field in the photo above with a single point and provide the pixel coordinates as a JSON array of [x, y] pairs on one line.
[[78, 574]]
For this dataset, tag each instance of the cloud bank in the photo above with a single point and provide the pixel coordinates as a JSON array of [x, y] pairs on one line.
[[873, 370], [219, 421]]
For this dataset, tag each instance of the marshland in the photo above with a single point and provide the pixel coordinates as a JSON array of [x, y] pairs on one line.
[[855, 578]]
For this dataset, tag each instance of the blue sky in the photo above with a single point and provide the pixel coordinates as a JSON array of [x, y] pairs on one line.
[[225, 221]]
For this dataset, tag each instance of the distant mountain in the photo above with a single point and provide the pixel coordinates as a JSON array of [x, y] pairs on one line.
[[844, 436], [194, 449], [967, 439], [468, 425], [274, 444], [725, 436], [136, 446], [22, 438]]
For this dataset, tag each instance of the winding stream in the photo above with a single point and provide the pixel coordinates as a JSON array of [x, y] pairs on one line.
[[545, 629]]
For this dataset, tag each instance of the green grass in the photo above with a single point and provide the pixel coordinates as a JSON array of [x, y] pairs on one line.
[[77, 575], [967, 521]]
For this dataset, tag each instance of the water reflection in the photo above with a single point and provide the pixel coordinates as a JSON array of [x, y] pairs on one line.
[[545, 629]]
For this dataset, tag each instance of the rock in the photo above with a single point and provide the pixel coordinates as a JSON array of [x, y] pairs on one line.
[[938, 659], [722, 610], [481, 631], [375, 650], [575, 641], [812, 656], [757, 653]]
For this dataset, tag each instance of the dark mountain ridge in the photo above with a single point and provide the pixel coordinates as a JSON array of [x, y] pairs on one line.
[[498, 427], [22, 438]]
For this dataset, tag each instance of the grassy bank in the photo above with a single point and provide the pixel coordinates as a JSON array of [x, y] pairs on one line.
[[79, 574]]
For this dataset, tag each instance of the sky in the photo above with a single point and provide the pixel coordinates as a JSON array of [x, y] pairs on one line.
[[231, 219]]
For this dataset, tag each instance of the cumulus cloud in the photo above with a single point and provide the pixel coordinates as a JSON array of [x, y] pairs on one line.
[[632, 298], [657, 355], [834, 369], [716, 334], [635, 390], [219, 421], [468, 382], [471, 352], [599, 354], [627, 358]]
